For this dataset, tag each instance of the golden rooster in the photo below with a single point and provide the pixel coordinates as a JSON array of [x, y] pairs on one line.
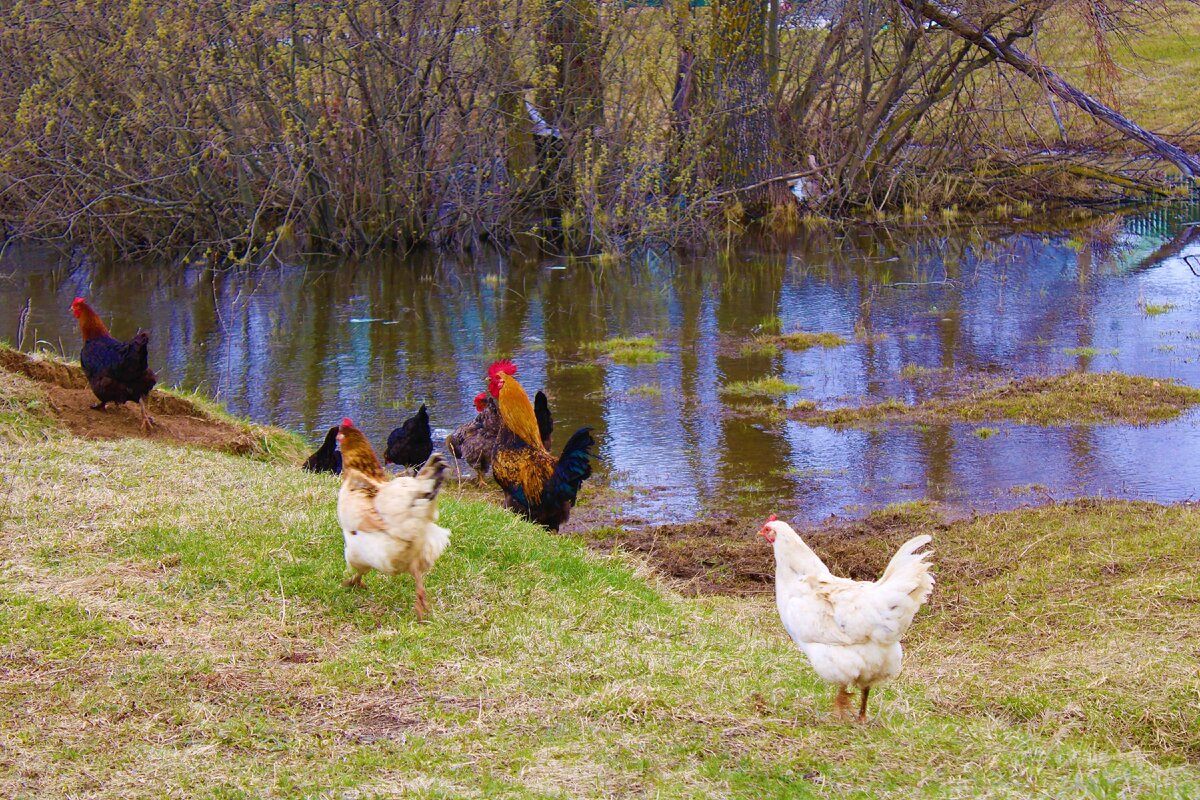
[[850, 630], [536, 484], [388, 525]]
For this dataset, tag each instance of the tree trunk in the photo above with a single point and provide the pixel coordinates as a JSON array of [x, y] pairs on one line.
[[742, 99]]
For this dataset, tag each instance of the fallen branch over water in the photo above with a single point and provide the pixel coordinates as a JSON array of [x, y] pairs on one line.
[[1005, 51]]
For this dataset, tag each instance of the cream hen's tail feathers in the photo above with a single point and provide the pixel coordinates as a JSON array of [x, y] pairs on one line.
[[908, 571]]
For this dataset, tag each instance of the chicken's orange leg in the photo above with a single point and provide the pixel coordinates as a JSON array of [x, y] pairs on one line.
[[862, 704], [420, 606], [147, 420], [841, 702]]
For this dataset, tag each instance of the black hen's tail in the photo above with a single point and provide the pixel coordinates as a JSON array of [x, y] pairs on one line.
[[545, 422], [573, 468]]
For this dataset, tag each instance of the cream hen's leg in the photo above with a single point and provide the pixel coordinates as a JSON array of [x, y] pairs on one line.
[[354, 581], [420, 606], [841, 702], [862, 704]]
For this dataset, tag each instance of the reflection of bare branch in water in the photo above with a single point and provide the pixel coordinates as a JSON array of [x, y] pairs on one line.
[[1189, 234]]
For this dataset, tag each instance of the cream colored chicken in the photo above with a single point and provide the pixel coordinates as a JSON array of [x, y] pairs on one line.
[[850, 630], [389, 525]]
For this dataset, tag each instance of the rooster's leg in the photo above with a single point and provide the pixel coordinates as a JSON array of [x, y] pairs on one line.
[[862, 704], [147, 420], [841, 702], [420, 606]]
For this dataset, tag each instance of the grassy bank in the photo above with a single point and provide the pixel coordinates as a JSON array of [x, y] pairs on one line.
[[1096, 398], [173, 617]]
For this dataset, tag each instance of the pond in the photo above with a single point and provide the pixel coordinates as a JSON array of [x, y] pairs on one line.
[[301, 346]]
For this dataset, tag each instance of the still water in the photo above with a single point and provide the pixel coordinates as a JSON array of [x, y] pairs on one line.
[[301, 346]]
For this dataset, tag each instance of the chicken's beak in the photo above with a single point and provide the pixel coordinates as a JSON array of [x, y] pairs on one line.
[[340, 437]]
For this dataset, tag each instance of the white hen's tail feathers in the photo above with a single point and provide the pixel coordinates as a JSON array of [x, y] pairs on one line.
[[908, 573]]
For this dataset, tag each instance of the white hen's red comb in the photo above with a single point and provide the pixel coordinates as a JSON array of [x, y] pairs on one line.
[[772, 518]]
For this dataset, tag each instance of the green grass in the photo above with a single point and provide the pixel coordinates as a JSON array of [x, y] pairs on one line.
[[625, 350], [769, 388], [913, 372], [647, 390], [172, 621], [800, 340], [1155, 309], [985, 432], [759, 347], [1073, 397], [1088, 352]]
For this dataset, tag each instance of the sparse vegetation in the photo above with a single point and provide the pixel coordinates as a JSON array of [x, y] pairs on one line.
[[803, 340], [1088, 352], [646, 390], [914, 372], [627, 350], [769, 388], [1155, 309], [1079, 397]]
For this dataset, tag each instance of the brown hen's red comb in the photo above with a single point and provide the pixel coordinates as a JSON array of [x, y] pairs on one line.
[[347, 422]]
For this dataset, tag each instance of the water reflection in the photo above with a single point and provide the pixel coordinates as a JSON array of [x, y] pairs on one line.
[[302, 346]]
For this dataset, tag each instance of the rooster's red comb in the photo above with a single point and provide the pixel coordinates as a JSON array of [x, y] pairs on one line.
[[77, 301], [503, 365], [347, 422]]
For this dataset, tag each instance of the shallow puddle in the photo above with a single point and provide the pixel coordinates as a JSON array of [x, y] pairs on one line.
[[303, 346]]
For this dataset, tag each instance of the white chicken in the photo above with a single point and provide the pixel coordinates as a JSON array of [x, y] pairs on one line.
[[850, 630], [388, 525]]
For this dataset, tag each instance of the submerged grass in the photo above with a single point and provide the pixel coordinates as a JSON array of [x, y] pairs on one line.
[[173, 618], [770, 388], [799, 340], [1074, 397], [626, 350]]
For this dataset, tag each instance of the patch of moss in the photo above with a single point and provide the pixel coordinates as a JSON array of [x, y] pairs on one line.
[[1154, 309], [1074, 397], [803, 340], [628, 350], [770, 388], [1088, 352]]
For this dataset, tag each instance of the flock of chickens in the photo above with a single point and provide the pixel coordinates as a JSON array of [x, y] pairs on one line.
[[849, 630]]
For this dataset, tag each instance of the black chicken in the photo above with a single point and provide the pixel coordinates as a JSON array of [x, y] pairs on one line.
[[411, 444], [327, 458]]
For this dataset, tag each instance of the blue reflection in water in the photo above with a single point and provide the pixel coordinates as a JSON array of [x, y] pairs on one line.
[[303, 346]]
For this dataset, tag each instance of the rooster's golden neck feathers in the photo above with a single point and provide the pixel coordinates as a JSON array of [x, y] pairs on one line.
[[517, 412], [90, 325], [357, 453]]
